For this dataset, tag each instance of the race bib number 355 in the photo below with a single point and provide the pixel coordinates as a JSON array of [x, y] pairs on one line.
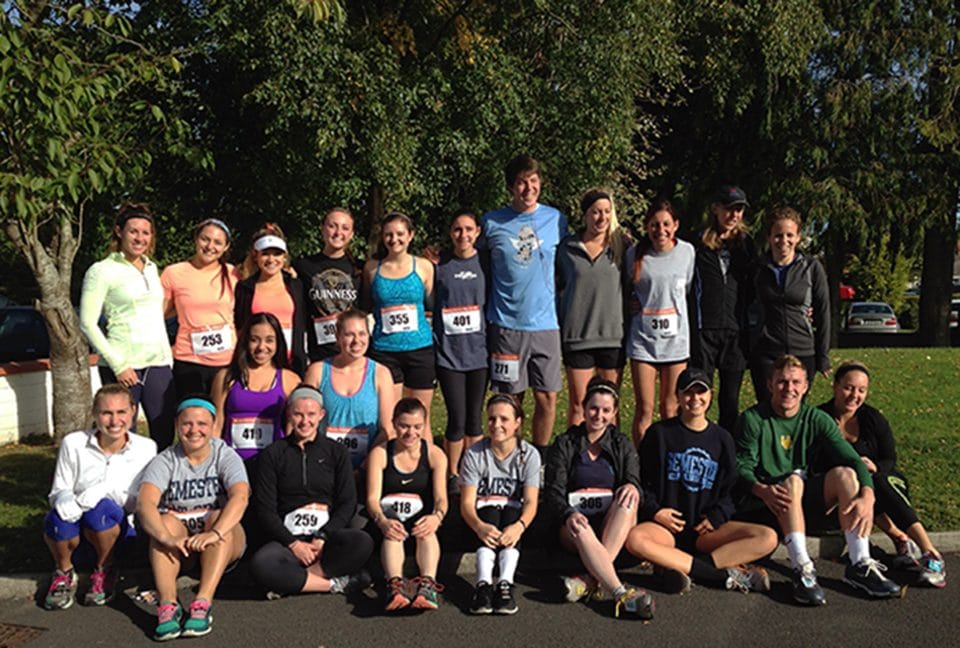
[[401, 318]]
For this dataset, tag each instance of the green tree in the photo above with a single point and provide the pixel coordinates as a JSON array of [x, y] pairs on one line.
[[70, 86]]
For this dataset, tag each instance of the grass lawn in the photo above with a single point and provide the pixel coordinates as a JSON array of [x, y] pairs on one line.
[[918, 390]]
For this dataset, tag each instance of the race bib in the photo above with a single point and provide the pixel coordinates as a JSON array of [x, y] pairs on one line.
[[211, 341], [326, 329], [664, 322], [504, 368], [356, 439], [195, 521], [288, 338], [591, 501], [461, 320], [499, 501], [251, 433], [401, 506], [401, 318], [307, 520]]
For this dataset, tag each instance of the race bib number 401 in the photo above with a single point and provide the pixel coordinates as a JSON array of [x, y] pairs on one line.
[[461, 320]]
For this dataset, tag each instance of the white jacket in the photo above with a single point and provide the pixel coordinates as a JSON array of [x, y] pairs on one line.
[[85, 475]]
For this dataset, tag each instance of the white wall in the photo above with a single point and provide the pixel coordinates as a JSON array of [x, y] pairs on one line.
[[26, 402]]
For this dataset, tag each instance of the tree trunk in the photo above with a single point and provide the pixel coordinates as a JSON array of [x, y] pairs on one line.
[[936, 282], [375, 211], [834, 261], [52, 267]]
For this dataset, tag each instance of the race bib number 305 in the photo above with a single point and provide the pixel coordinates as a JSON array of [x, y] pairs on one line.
[[195, 521], [591, 501], [504, 368], [401, 506], [211, 341], [401, 318], [326, 329], [307, 520], [461, 320]]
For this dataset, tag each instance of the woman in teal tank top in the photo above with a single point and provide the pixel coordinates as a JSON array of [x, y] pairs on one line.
[[357, 391], [398, 287]]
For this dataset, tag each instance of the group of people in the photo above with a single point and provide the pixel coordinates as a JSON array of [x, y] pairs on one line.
[[280, 394]]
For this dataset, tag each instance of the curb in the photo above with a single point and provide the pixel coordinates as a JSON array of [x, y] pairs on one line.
[[831, 547]]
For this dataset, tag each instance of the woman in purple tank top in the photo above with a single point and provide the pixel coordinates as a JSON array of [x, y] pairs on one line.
[[250, 393]]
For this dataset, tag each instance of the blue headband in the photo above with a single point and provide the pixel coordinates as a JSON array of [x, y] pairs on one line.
[[197, 402], [219, 223]]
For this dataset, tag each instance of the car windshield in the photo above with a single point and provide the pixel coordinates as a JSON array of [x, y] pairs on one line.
[[864, 309]]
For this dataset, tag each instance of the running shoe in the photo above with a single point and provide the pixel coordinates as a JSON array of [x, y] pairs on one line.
[[482, 602], [748, 578], [397, 597], [169, 614], [867, 575], [934, 570], [908, 554], [352, 584], [63, 588], [200, 620], [577, 588], [503, 601], [427, 597], [101, 587], [805, 587], [635, 602], [676, 582]]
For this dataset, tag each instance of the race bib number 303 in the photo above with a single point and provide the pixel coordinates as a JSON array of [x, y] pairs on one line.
[[401, 318]]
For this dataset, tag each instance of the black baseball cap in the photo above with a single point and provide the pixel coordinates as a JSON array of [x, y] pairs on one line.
[[730, 195], [692, 376]]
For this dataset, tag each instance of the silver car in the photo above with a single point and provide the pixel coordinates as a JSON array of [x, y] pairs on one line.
[[871, 317]]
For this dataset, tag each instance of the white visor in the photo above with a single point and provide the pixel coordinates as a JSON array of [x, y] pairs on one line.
[[270, 242]]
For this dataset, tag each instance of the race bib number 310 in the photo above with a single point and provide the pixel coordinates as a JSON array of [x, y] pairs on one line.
[[664, 322]]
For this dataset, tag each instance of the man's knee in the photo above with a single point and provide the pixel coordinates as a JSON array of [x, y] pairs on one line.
[[842, 479]]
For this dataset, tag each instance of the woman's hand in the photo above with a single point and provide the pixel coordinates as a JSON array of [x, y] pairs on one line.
[[670, 519], [128, 378], [511, 534], [489, 535]]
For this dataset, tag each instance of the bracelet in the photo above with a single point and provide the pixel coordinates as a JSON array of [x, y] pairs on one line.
[[522, 523], [440, 515], [219, 535]]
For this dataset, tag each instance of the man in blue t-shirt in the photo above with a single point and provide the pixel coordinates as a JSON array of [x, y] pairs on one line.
[[522, 240]]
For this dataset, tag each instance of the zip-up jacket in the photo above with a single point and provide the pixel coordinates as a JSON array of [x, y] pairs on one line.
[[614, 445], [244, 305], [785, 326], [720, 296], [289, 477]]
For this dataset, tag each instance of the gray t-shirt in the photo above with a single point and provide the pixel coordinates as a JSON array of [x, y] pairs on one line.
[[459, 326], [186, 487], [660, 332], [500, 482]]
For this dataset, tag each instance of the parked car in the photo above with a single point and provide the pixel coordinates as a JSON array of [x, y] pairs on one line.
[[871, 317], [23, 334]]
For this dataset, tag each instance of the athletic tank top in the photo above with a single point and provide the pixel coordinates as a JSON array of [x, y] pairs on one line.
[[593, 482], [459, 326], [407, 495], [253, 419], [400, 322], [352, 420]]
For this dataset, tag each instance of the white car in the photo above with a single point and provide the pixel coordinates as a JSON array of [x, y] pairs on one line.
[[871, 317]]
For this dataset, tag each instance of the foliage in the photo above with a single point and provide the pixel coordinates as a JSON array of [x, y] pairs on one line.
[[878, 277]]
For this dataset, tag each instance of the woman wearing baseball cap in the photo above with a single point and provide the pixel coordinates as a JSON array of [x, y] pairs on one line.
[[688, 470], [270, 288]]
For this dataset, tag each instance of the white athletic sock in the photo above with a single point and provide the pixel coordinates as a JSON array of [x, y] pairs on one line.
[[485, 560], [796, 544], [508, 560], [858, 548]]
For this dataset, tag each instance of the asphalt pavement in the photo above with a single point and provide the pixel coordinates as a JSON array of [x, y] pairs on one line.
[[923, 616]]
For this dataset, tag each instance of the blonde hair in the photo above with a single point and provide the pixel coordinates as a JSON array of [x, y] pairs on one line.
[[711, 235], [614, 235]]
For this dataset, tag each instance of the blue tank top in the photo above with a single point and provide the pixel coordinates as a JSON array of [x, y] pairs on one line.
[[588, 473], [352, 420], [252, 419], [400, 322]]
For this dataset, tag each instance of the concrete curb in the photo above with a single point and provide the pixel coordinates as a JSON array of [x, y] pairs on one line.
[[832, 547]]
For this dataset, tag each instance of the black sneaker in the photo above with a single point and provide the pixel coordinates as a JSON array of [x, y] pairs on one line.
[[805, 587], [482, 602], [867, 575], [503, 601]]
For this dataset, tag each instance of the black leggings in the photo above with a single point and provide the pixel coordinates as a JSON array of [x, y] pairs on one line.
[[893, 498], [193, 378], [500, 518], [276, 568], [463, 392]]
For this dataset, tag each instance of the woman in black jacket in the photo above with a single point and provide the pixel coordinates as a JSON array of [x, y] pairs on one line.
[[592, 492], [269, 288], [791, 289]]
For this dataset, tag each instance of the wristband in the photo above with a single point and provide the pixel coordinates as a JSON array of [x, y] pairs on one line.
[[522, 523], [219, 535]]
